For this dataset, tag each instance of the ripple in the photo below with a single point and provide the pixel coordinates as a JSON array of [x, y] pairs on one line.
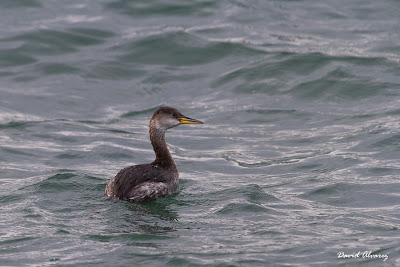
[[180, 49], [356, 195], [143, 8], [14, 57], [278, 64], [67, 182], [136, 113], [14, 124], [19, 3], [162, 78], [16, 240], [146, 237], [313, 75], [379, 171], [56, 68], [252, 193], [390, 143], [340, 84], [114, 70], [242, 209], [58, 182], [244, 160], [69, 156], [52, 42], [272, 115], [10, 199]]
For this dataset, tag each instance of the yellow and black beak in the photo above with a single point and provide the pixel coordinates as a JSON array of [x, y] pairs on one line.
[[187, 120]]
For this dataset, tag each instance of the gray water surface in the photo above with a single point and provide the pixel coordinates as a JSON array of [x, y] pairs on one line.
[[298, 159]]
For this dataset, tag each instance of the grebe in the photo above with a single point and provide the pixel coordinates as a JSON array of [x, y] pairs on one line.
[[159, 178]]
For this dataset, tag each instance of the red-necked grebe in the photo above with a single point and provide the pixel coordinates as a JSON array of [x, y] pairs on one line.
[[159, 178]]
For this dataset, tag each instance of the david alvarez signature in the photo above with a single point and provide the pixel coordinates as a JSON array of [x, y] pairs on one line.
[[368, 254]]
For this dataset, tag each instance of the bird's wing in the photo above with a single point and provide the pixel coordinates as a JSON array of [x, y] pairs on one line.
[[148, 191], [130, 177]]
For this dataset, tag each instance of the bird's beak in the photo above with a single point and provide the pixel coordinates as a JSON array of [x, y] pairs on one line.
[[187, 120]]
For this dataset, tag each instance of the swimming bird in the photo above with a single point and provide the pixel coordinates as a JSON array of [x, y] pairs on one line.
[[160, 178]]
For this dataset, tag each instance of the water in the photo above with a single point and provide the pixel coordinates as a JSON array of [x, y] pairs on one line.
[[298, 159]]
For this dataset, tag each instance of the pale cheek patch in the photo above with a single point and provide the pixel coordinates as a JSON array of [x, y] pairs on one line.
[[170, 122], [157, 125]]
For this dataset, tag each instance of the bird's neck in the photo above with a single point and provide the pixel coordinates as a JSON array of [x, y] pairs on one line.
[[163, 157]]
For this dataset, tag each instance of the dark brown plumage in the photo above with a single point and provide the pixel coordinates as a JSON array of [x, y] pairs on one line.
[[159, 178]]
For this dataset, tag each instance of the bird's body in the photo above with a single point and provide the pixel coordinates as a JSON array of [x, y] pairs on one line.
[[159, 178], [143, 182]]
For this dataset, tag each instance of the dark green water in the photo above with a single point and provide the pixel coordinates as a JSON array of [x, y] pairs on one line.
[[298, 159]]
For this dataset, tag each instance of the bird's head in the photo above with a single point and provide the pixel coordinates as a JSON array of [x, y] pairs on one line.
[[168, 117]]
